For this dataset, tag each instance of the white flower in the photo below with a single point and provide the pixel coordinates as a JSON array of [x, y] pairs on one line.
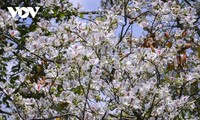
[[160, 110], [44, 23], [192, 77], [9, 90], [144, 24], [74, 50], [38, 87], [14, 33], [94, 61], [2, 85], [190, 20], [28, 101], [128, 63]]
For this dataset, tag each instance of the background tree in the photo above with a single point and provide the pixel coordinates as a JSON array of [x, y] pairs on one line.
[[68, 66]]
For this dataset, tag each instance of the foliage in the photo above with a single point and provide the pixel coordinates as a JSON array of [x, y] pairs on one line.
[[67, 66]]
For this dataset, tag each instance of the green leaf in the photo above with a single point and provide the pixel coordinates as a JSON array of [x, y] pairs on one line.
[[62, 15], [78, 90], [32, 27], [85, 58], [194, 88], [198, 51], [98, 98], [167, 79], [75, 101], [81, 15], [60, 88], [2, 80], [13, 79]]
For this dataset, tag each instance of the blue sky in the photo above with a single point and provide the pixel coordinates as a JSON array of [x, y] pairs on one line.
[[93, 5], [88, 5]]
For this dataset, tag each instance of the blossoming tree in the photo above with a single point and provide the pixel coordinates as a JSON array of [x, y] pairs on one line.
[[65, 65]]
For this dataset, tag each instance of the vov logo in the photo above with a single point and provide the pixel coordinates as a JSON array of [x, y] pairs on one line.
[[20, 10]]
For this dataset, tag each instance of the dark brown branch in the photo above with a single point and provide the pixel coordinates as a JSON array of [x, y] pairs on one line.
[[60, 116], [4, 112], [92, 12], [188, 2]]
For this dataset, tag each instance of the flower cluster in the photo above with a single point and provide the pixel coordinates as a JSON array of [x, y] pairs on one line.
[[84, 69]]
